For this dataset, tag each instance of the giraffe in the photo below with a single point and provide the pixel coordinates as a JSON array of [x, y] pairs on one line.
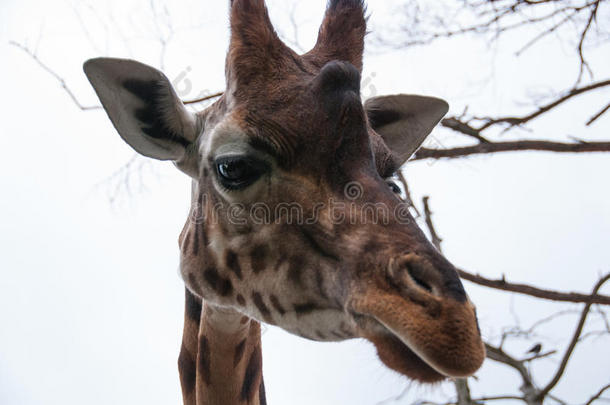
[[295, 221]]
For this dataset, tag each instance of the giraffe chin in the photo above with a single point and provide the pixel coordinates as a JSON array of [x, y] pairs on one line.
[[400, 358]]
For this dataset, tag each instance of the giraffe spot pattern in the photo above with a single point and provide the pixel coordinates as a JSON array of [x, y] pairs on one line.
[[280, 262], [221, 285], [192, 306], [257, 258], [295, 271], [188, 370], [196, 240], [320, 283], [232, 261], [338, 335], [344, 329], [203, 360], [253, 375], [305, 309], [262, 396], [239, 352], [262, 307], [277, 305], [186, 242], [316, 247]]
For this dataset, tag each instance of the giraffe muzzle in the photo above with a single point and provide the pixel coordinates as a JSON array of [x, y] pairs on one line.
[[420, 323]]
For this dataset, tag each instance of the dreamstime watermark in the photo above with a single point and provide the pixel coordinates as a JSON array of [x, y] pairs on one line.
[[184, 88], [432, 142], [368, 88], [352, 209]]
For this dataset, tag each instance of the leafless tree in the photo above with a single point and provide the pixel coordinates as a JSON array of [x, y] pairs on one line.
[[583, 24]]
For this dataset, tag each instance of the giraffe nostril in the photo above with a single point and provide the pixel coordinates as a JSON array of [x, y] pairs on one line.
[[413, 272], [418, 280]]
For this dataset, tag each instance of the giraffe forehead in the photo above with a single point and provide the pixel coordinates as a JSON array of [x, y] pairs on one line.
[[303, 116], [225, 137]]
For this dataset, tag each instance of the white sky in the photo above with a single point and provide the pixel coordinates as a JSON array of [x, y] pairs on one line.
[[90, 298]]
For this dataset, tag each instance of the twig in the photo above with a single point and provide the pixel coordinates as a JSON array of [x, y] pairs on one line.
[[408, 198], [515, 121], [548, 319], [496, 18], [598, 395], [436, 240], [202, 99], [498, 398], [397, 397], [57, 77], [584, 65], [598, 115], [67, 89], [164, 40]]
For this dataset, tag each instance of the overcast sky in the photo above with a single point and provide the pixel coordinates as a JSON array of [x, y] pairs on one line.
[[90, 298]]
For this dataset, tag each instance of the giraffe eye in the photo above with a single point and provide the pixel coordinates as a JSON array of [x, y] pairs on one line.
[[394, 187], [238, 172]]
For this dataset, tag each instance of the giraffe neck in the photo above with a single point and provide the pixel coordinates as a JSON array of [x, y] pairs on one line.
[[221, 359]]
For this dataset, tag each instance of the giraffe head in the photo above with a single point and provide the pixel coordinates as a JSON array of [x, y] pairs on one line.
[[293, 220]]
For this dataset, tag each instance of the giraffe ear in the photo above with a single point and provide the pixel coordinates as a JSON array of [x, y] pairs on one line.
[[405, 121], [143, 107]]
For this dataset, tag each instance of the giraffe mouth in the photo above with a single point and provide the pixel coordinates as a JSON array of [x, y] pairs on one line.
[[397, 355], [424, 345]]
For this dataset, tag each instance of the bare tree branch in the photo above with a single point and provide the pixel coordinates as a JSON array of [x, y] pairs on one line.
[[512, 146], [573, 342], [534, 291]]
